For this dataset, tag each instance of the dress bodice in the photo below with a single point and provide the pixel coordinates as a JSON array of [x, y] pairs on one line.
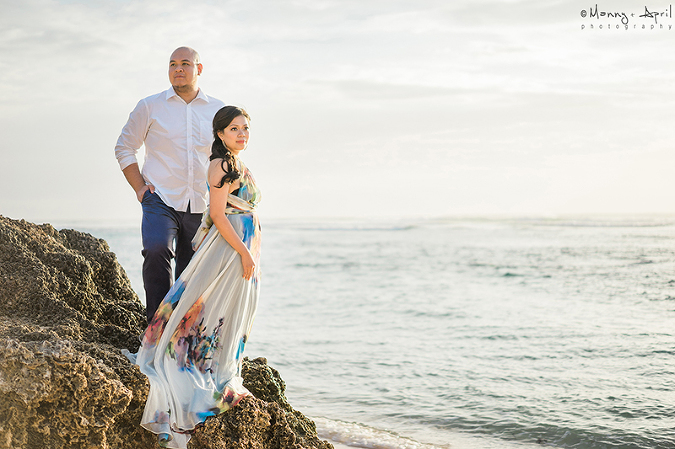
[[248, 190]]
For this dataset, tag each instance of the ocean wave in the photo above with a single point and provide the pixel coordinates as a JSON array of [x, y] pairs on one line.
[[593, 221], [339, 225], [601, 222], [359, 435]]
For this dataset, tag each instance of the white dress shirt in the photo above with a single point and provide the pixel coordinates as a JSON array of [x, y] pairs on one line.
[[177, 138]]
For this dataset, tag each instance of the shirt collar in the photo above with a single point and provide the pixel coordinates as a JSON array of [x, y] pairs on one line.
[[170, 92], [202, 96]]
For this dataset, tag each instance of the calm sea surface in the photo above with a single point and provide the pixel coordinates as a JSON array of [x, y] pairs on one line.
[[469, 333]]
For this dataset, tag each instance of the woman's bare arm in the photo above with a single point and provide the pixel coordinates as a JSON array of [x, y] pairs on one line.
[[218, 204]]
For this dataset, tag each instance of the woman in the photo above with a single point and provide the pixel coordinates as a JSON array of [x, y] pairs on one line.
[[192, 349]]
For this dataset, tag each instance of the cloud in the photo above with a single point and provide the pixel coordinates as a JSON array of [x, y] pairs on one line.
[[370, 90], [477, 96]]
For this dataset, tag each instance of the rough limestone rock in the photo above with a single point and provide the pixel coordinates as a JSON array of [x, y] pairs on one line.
[[66, 310]]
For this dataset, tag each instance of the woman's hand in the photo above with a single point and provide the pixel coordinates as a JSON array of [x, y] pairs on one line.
[[248, 265]]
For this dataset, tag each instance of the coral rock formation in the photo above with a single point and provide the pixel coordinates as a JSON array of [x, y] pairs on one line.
[[66, 310]]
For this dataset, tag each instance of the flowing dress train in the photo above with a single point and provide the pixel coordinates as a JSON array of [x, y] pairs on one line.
[[192, 349]]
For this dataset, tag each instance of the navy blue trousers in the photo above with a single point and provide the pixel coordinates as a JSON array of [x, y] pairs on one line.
[[167, 234]]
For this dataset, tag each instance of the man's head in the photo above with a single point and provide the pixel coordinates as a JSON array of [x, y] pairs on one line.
[[184, 68]]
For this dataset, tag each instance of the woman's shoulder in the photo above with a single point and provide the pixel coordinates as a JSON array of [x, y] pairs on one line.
[[216, 169], [216, 163], [224, 162]]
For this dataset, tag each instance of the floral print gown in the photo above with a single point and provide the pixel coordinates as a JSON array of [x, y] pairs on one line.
[[192, 349]]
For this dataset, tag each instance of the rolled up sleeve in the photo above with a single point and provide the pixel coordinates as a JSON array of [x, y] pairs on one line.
[[132, 135]]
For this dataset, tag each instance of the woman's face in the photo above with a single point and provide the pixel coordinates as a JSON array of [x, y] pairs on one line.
[[235, 136]]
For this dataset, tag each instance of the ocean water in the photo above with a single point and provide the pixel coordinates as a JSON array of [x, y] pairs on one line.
[[470, 334]]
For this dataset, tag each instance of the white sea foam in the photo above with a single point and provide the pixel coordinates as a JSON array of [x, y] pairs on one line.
[[359, 435]]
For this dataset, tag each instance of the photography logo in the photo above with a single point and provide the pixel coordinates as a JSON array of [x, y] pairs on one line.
[[642, 18]]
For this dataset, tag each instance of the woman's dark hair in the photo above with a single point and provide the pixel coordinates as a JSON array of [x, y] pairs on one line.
[[222, 120]]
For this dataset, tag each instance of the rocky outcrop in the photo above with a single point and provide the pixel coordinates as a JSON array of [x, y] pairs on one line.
[[66, 310]]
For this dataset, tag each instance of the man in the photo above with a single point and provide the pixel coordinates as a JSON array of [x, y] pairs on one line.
[[175, 127]]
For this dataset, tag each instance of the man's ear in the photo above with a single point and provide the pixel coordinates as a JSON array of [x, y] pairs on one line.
[[199, 69]]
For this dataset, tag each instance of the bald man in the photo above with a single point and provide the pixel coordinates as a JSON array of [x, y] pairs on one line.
[[176, 128]]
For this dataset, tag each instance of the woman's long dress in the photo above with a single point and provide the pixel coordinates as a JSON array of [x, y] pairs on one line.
[[192, 349]]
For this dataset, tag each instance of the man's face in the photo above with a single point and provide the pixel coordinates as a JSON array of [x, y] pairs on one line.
[[183, 71]]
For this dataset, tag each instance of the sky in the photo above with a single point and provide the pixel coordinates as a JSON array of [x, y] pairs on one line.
[[374, 109]]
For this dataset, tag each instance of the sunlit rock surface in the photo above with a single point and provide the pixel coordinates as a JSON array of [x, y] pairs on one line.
[[66, 310]]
